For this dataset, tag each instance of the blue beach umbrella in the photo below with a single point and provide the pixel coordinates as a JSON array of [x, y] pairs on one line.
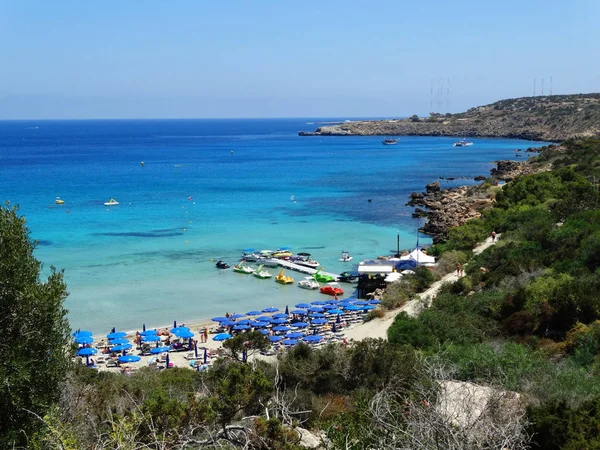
[[195, 350], [84, 339], [275, 338], [129, 358], [244, 322], [344, 304], [360, 302], [167, 362], [219, 319], [157, 350], [119, 341], [335, 311], [332, 301], [279, 321], [270, 309], [287, 309], [221, 337], [205, 355], [88, 351], [117, 334], [265, 332], [82, 333], [143, 327], [353, 308], [241, 327], [264, 319], [280, 316], [227, 323], [368, 307], [318, 303], [294, 335], [149, 333], [151, 338], [301, 312], [374, 302], [302, 305], [120, 348], [185, 335], [299, 325], [254, 313], [318, 321], [260, 324], [281, 328], [179, 330], [237, 316], [316, 309], [326, 307], [289, 342], [313, 338]]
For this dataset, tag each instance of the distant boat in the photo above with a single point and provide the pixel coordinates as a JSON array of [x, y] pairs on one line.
[[346, 256], [111, 202], [389, 141], [59, 201], [462, 143]]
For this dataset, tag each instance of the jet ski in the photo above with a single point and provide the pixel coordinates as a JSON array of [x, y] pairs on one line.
[[222, 265]]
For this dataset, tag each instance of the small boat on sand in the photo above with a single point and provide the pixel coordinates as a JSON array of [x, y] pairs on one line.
[[111, 202], [282, 278]]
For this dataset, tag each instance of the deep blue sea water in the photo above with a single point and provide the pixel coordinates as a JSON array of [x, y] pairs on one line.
[[207, 189]]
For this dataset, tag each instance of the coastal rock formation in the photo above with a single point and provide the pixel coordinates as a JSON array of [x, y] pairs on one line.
[[547, 118]]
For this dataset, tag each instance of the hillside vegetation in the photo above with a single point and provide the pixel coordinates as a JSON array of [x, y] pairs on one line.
[[544, 118]]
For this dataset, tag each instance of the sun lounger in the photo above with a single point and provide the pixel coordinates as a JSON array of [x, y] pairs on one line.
[[112, 363], [190, 356]]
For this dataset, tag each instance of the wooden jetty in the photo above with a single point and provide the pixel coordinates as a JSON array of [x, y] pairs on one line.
[[302, 269]]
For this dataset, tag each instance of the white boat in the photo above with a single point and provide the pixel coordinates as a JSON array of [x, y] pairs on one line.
[[308, 283], [303, 259], [259, 273], [346, 256], [269, 262], [249, 256], [111, 202], [390, 141], [462, 143]]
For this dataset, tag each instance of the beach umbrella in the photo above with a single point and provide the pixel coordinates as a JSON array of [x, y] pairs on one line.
[[302, 312], [244, 322], [84, 339], [113, 330], [195, 351], [129, 358], [315, 309], [333, 328], [151, 338], [265, 332], [280, 316], [221, 337], [329, 307], [227, 323], [87, 351], [279, 321], [179, 330], [270, 309], [254, 313], [335, 311], [339, 319], [332, 301], [241, 327], [117, 334], [264, 319], [149, 333], [287, 309], [185, 335], [205, 355], [82, 333], [289, 342], [316, 316], [344, 304], [302, 305], [275, 338], [294, 335], [281, 328], [260, 324], [313, 338], [318, 321], [315, 331], [374, 302], [167, 361], [237, 316], [120, 348], [219, 319], [352, 308], [300, 325], [143, 327], [157, 350], [369, 307], [318, 303], [360, 302]]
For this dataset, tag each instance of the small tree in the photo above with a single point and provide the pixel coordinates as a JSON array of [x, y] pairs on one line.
[[414, 118], [34, 355]]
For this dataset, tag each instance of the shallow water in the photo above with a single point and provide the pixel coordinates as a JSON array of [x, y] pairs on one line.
[[193, 201]]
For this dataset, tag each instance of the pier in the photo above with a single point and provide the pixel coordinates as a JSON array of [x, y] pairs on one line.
[[298, 268]]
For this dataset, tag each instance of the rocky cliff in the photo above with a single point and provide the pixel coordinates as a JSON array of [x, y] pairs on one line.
[[549, 118]]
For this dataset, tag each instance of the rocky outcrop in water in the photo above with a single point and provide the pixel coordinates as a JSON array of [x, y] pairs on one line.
[[549, 118]]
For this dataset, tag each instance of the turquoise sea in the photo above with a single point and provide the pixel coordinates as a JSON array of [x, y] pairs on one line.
[[207, 189]]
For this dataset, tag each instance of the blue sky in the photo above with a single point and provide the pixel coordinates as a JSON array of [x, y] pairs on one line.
[[259, 58]]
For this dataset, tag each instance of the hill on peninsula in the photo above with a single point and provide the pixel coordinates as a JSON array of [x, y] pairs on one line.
[[542, 118]]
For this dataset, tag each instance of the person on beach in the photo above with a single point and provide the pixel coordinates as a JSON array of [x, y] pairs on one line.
[[458, 269], [493, 235], [205, 334]]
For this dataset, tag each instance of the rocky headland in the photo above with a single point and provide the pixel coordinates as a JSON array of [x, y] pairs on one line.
[[452, 207], [546, 118]]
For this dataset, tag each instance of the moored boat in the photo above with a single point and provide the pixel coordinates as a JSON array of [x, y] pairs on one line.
[[222, 265], [390, 141], [346, 256], [303, 259], [308, 283], [263, 274], [59, 201], [347, 277], [321, 277], [111, 202], [282, 278], [240, 268], [462, 143]]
